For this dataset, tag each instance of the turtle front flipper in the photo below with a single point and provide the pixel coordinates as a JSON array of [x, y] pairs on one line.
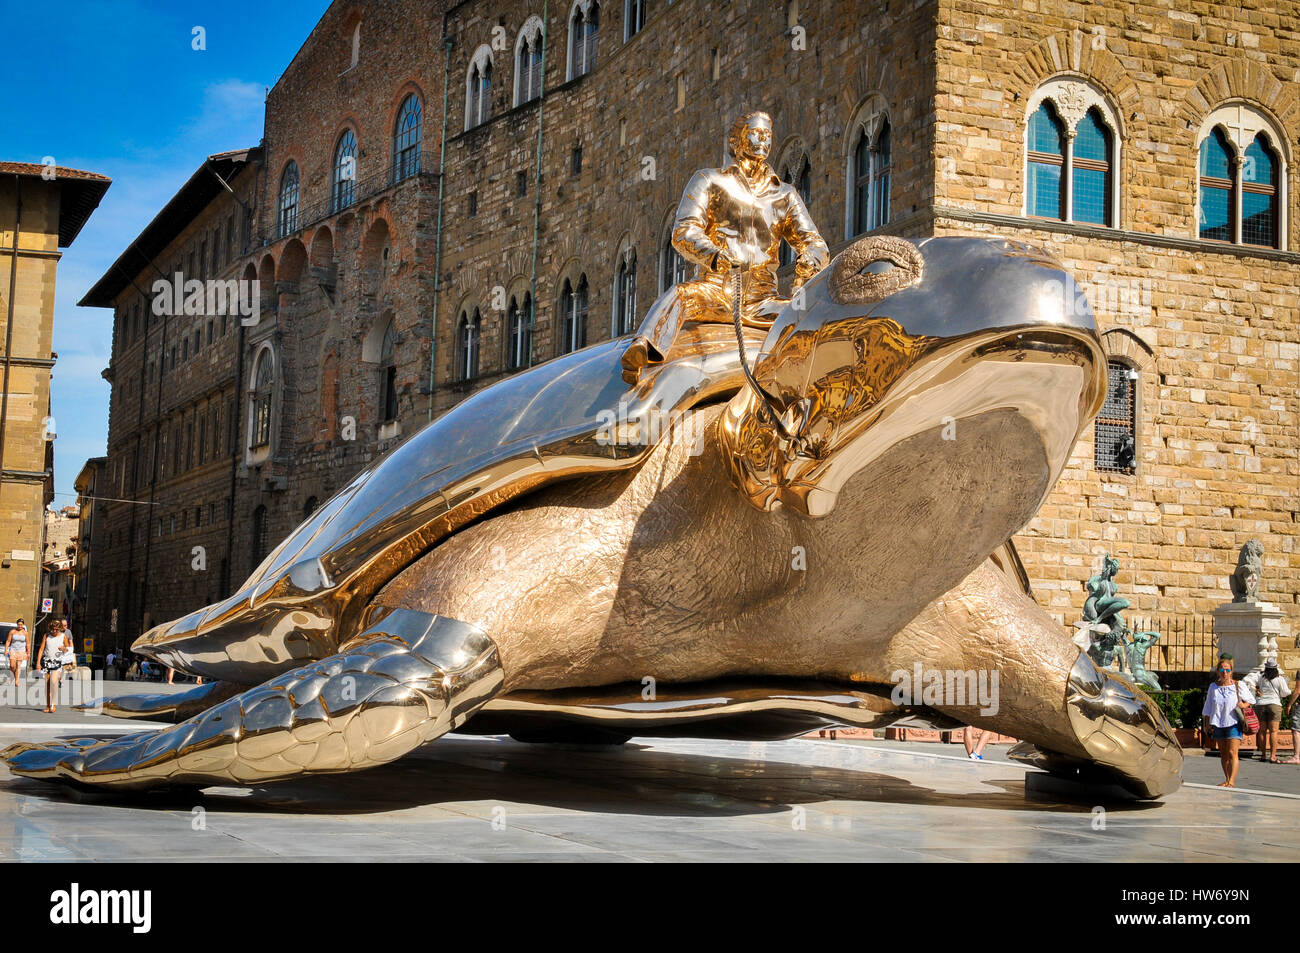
[[407, 679]]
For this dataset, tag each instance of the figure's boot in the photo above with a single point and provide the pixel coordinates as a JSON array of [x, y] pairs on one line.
[[407, 679], [635, 358]]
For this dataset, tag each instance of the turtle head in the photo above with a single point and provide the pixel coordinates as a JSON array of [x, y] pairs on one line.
[[895, 339]]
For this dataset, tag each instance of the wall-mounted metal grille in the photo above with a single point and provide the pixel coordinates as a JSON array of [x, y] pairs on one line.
[[1116, 447]]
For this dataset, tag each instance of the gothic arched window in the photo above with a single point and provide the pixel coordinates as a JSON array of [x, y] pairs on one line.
[[528, 62], [467, 345], [584, 24], [1072, 149], [574, 309], [871, 174], [625, 316], [519, 319], [478, 89]]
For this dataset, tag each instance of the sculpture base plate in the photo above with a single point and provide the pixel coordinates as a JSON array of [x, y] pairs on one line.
[[1039, 785]]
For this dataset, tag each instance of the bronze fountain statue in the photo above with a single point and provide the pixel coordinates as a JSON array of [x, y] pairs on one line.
[[1104, 633], [826, 505]]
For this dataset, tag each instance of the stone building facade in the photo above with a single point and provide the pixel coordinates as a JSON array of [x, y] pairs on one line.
[[168, 487], [42, 209], [448, 192], [89, 545]]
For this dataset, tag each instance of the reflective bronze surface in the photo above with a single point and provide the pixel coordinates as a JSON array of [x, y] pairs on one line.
[[926, 416]]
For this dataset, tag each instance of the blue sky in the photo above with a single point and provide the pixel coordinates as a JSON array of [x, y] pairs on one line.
[[117, 88]]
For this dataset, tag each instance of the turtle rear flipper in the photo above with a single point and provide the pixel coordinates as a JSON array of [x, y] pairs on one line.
[[407, 679]]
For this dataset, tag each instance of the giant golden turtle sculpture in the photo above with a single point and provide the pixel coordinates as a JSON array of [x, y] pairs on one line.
[[562, 558]]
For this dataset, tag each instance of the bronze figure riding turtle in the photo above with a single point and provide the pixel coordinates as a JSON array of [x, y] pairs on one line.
[[559, 557]]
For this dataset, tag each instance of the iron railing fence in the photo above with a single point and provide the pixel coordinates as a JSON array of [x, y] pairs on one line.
[[1186, 644]]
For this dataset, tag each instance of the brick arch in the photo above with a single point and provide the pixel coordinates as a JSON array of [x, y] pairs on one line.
[[868, 78], [1122, 344], [1245, 80], [471, 281], [793, 147], [580, 247], [518, 261], [293, 259], [1073, 53], [379, 234], [321, 248]]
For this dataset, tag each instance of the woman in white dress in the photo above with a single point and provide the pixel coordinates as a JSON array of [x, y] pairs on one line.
[[54, 651]]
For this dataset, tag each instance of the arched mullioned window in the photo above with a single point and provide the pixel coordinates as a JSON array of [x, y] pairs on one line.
[[519, 328], [528, 62], [343, 181], [1115, 445], [869, 172], [263, 397], [287, 214], [406, 139], [478, 88], [468, 332], [625, 313], [573, 306], [584, 27], [1242, 178], [799, 174], [1072, 150], [388, 375]]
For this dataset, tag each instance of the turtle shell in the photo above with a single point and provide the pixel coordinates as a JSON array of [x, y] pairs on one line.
[[569, 417]]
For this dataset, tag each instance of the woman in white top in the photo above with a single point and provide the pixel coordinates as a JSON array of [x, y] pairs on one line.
[[54, 647], [1270, 687], [1223, 701], [16, 649]]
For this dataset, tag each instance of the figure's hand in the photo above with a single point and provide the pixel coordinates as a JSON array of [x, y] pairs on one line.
[[725, 261], [807, 265]]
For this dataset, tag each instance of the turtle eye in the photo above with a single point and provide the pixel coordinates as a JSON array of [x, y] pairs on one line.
[[873, 268]]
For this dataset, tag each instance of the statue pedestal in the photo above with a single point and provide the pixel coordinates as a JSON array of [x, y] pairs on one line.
[[1238, 627]]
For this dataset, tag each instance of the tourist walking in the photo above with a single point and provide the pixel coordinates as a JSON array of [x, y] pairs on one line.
[[1270, 688], [55, 649], [975, 748], [16, 649], [1223, 717]]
